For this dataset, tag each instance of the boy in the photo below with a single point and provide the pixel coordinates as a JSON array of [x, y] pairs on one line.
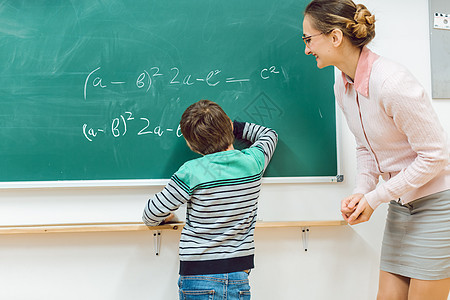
[[221, 190]]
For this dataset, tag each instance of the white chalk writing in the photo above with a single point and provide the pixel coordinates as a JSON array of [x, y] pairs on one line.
[[119, 127], [175, 76]]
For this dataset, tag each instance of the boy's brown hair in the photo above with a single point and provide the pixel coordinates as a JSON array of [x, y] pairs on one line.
[[206, 127]]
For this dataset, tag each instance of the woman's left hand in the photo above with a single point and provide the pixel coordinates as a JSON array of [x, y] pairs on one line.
[[362, 213]]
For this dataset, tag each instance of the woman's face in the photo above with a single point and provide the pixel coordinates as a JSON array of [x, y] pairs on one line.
[[319, 44]]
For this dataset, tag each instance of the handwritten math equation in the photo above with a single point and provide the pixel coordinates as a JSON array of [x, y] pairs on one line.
[[173, 76], [122, 124], [119, 127]]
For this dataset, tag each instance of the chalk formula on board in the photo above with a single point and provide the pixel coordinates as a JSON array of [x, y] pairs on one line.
[[173, 76], [119, 127]]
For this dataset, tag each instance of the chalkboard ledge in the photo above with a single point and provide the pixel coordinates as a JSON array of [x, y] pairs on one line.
[[139, 226], [148, 182]]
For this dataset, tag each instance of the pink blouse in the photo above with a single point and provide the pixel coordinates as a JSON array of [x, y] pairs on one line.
[[397, 132]]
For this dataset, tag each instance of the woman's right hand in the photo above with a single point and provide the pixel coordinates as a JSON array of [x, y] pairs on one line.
[[348, 205]]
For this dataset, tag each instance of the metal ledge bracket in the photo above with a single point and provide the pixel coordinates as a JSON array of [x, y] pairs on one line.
[[305, 233]]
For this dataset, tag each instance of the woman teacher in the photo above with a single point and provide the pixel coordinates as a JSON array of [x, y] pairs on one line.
[[399, 138]]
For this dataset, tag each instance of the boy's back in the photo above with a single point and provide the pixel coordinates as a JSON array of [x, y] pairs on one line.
[[221, 190]]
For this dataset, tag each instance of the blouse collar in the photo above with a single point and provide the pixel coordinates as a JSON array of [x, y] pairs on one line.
[[362, 74]]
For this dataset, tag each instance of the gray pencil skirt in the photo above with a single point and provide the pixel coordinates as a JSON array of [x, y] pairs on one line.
[[416, 240]]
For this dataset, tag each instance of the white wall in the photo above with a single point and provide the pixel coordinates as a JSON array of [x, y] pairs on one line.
[[341, 263]]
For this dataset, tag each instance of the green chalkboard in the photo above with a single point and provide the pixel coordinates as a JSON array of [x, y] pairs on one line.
[[94, 90]]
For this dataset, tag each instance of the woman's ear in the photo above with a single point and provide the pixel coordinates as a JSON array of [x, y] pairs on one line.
[[337, 36]]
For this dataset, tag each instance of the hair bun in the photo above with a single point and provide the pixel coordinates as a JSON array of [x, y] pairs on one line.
[[364, 22], [355, 21]]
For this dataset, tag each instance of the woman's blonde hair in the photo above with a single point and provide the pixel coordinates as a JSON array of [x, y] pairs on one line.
[[354, 20], [206, 127]]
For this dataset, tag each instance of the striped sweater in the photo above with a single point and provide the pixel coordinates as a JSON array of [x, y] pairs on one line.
[[221, 191]]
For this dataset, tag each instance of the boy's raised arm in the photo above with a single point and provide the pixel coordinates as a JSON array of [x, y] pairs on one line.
[[264, 138]]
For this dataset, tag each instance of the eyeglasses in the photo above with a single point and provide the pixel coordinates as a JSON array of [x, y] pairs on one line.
[[307, 39]]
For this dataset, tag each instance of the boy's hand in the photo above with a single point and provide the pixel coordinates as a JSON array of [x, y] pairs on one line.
[[168, 219]]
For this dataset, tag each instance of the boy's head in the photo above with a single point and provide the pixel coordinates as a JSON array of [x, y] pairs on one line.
[[206, 128]]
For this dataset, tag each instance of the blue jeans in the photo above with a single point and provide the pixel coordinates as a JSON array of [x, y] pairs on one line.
[[229, 286]]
